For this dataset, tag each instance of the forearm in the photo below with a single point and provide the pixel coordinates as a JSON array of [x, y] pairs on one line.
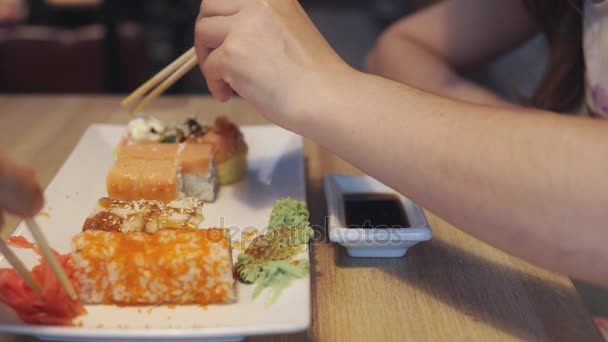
[[405, 61], [531, 184]]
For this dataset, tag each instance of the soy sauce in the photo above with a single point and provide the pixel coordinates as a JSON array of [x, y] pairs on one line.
[[374, 210]]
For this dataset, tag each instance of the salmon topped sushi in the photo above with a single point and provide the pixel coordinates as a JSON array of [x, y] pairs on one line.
[[223, 136], [134, 179], [163, 172], [195, 158], [198, 169]]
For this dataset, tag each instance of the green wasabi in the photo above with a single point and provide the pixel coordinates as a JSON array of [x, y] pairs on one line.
[[268, 260], [277, 276], [290, 213]]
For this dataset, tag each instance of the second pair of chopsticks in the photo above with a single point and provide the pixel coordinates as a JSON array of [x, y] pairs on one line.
[[164, 79], [47, 254]]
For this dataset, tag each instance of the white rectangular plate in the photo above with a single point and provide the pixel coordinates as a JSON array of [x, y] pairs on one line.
[[275, 170]]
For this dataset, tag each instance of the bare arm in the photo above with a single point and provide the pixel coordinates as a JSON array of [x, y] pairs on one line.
[[428, 49], [531, 184]]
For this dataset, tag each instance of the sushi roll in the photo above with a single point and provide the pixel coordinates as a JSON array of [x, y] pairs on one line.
[[198, 171], [168, 267], [163, 172], [135, 179], [223, 136], [144, 216], [229, 148]]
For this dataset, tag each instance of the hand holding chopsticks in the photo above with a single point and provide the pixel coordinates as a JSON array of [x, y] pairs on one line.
[[20, 194], [166, 77]]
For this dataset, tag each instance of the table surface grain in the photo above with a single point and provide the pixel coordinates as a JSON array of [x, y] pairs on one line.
[[453, 288]]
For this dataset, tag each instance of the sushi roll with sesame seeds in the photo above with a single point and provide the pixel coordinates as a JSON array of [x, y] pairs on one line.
[[144, 215]]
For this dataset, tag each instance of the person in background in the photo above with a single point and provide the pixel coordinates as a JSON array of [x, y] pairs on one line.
[[444, 40], [519, 177], [455, 35]]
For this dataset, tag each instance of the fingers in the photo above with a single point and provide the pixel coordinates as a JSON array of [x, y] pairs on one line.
[[212, 31], [211, 8], [201, 51], [214, 71], [20, 193]]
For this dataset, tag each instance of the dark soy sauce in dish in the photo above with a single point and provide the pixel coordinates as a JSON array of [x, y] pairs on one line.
[[374, 210]]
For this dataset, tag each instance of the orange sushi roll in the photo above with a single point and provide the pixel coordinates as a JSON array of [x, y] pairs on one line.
[[191, 157], [227, 143], [170, 266], [195, 158], [163, 172], [198, 175], [133, 179]]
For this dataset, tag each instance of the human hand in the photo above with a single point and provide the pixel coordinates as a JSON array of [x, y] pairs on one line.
[[12, 11], [269, 52], [20, 193]]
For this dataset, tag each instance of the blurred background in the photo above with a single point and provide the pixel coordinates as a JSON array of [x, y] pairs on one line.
[[111, 46]]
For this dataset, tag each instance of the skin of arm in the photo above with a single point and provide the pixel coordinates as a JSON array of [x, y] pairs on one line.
[[531, 184], [20, 193], [428, 49]]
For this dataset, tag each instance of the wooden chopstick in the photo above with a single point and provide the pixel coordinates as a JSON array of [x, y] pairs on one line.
[[25, 274], [166, 77], [50, 257], [161, 75], [169, 81]]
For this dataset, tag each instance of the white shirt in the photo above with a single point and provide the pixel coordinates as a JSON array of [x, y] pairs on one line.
[[595, 26]]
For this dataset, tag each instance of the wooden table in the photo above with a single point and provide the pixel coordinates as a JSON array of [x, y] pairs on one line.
[[453, 288]]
